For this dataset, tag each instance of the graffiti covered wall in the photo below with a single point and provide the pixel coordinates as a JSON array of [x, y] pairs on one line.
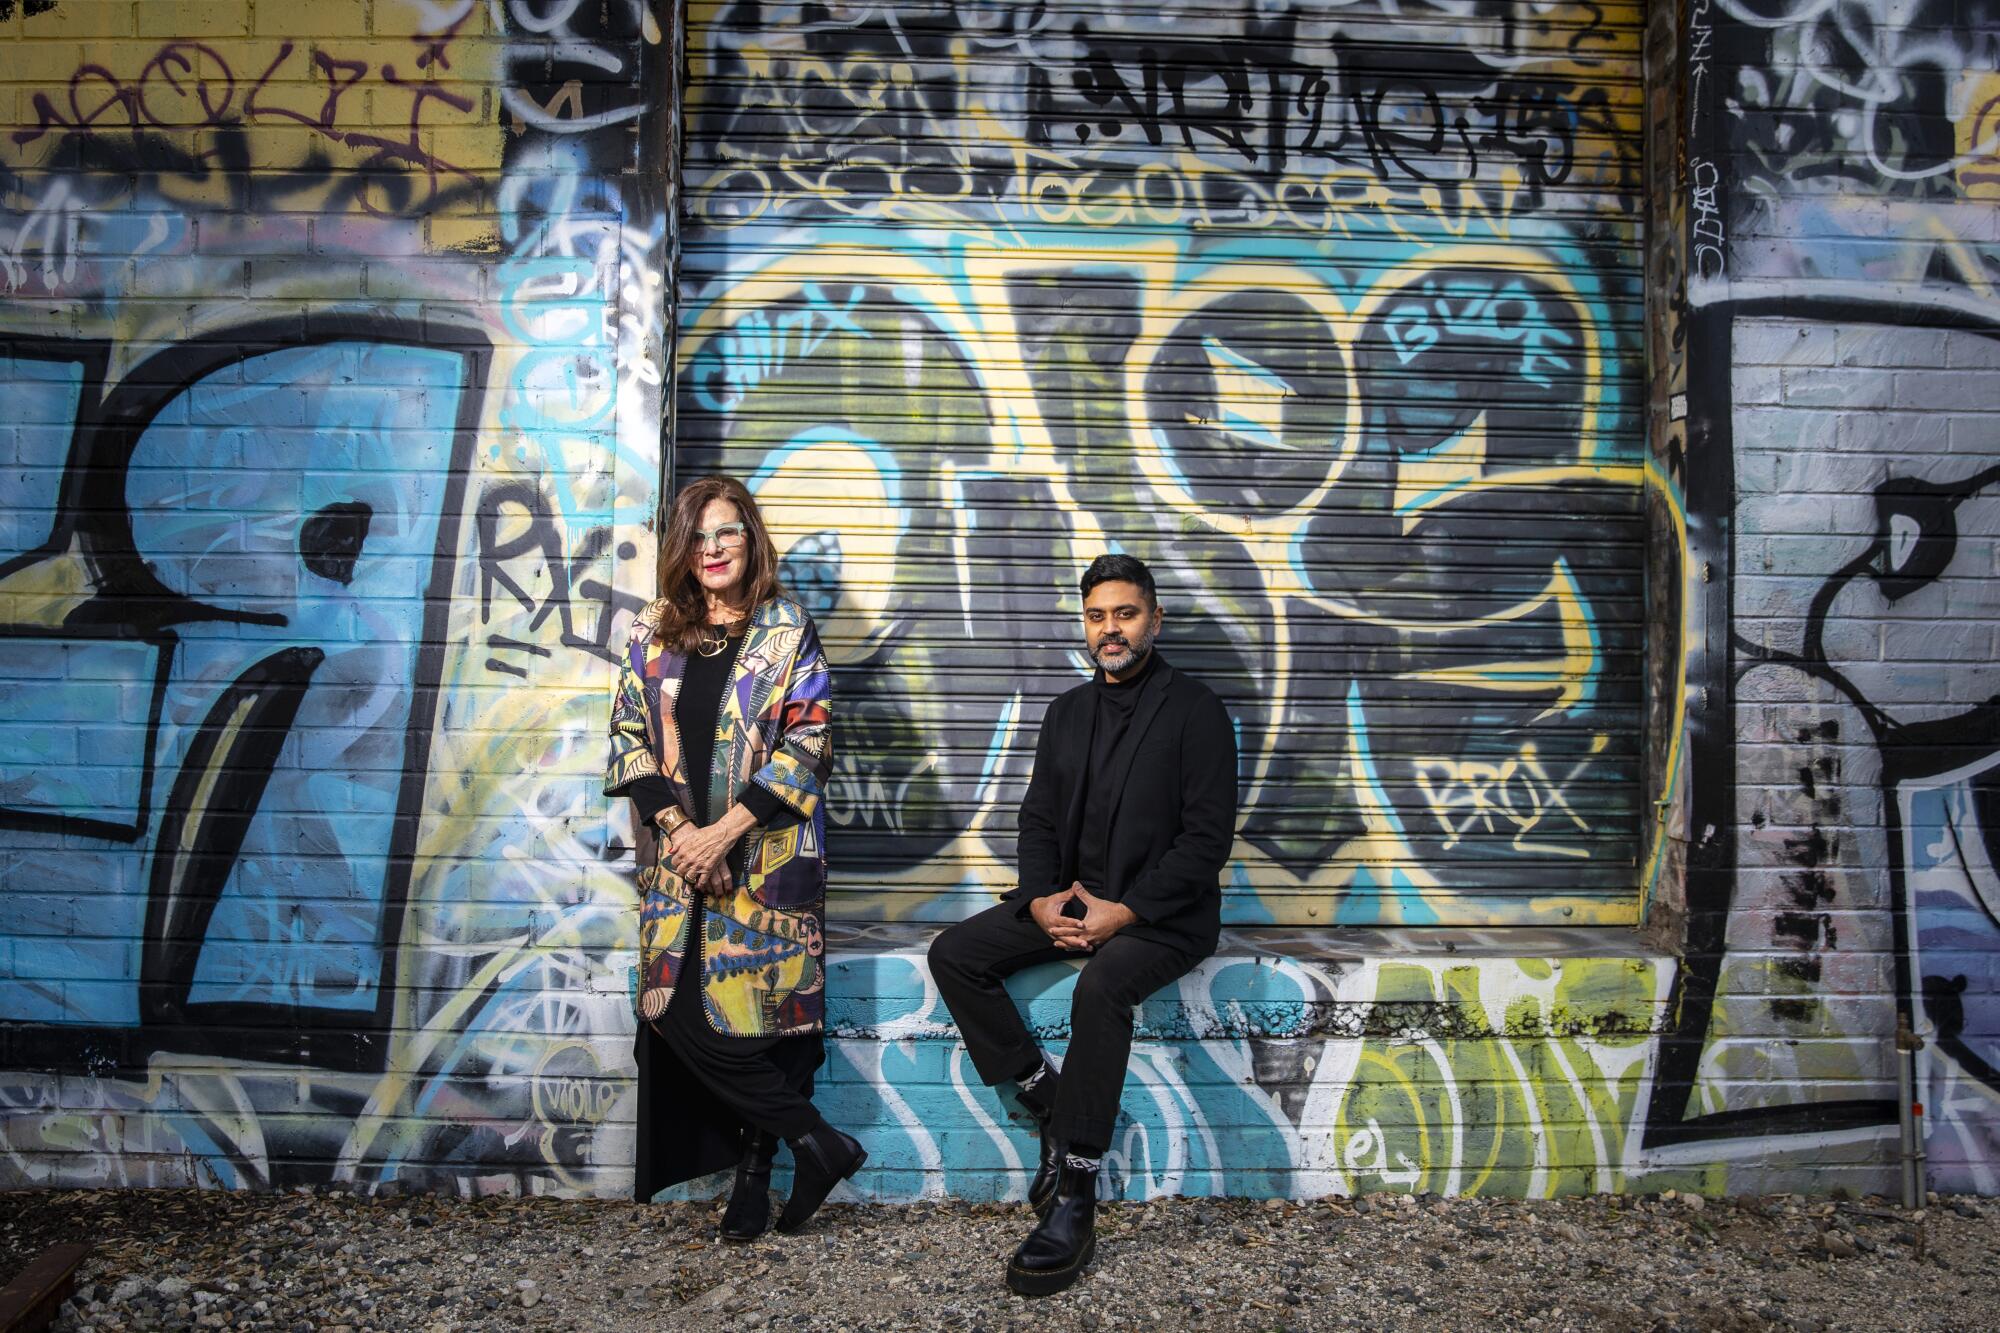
[[329, 353], [1843, 338], [333, 363], [1015, 285], [1330, 312]]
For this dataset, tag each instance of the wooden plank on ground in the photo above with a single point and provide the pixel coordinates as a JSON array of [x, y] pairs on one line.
[[30, 1301]]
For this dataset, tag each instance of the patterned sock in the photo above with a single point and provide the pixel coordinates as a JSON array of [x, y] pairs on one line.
[[1032, 1081], [1078, 1162]]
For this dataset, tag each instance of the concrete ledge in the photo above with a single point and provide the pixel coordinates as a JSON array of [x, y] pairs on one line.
[[1322, 943], [1292, 1064], [1291, 983]]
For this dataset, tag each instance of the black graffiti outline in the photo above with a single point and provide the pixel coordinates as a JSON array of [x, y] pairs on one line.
[[1712, 868], [88, 826], [132, 603], [1909, 751], [92, 358], [216, 795]]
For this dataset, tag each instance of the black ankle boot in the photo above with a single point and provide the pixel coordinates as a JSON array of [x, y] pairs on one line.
[[748, 1215], [820, 1160], [1048, 1169], [1057, 1251], [1040, 1104]]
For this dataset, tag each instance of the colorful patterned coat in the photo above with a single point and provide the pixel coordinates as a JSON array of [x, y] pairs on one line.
[[762, 973]]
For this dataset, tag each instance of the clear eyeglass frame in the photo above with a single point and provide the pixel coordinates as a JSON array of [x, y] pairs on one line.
[[728, 536]]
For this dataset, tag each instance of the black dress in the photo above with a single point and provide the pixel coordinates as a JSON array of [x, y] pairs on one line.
[[698, 1089]]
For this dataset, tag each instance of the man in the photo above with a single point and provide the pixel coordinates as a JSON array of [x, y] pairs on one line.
[[1125, 829]]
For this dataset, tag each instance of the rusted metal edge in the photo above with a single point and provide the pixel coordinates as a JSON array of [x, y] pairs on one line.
[[30, 1301]]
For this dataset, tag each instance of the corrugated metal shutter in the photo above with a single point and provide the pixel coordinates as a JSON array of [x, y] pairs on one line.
[[1332, 316]]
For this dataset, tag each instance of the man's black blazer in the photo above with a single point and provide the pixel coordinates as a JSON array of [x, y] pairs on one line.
[[1173, 825]]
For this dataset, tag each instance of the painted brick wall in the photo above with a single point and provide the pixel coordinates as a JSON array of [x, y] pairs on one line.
[[329, 429], [329, 421], [1843, 341], [1514, 1065]]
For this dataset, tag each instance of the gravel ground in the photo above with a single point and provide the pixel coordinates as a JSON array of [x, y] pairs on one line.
[[325, 1261]]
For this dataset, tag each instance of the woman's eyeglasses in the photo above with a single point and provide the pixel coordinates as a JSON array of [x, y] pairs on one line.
[[727, 536]]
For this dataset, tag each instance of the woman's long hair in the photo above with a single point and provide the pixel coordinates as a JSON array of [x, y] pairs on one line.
[[687, 606]]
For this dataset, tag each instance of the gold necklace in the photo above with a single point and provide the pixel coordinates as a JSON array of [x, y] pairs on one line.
[[707, 649]]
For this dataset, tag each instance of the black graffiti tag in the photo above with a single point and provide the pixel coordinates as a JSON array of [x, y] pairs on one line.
[[520, 543]]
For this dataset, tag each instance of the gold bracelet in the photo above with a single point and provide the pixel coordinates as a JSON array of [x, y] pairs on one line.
[[669, 820]]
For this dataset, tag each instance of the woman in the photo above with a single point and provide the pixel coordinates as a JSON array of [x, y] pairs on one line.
[[732, 905]]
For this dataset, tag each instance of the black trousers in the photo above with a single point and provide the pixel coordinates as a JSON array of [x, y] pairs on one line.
[[971, 961], [765, 1081]]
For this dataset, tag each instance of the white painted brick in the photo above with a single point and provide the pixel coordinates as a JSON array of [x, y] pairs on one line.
[[1849, 389], [1878, 346], [1753, 385], [1819, 476], [1943, 390], [1971, 351], [1783, 343], [1975, 433], [1893, 433]]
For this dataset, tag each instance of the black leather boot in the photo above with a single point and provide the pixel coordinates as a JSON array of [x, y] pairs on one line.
[[1058, 1250], [820, 1160], [1040, 1104], [1042, 1189], [748, 1215]]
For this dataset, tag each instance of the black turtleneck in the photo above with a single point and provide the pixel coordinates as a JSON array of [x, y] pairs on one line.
[[696, 711], [1116, 703]]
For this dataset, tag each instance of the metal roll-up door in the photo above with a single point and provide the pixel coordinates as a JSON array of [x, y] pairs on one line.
[[1332, 315]]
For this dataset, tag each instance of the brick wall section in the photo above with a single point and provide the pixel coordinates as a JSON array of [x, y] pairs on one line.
[[330, 350], [1843, 320], [1861, 694], [329, 443]]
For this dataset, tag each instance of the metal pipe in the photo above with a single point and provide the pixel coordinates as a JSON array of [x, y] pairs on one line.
[[1910, 1113]]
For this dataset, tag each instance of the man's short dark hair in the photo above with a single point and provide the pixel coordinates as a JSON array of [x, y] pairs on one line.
[[1121, 569]]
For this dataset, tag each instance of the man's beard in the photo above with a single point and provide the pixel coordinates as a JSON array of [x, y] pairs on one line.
[[1116, 658]]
